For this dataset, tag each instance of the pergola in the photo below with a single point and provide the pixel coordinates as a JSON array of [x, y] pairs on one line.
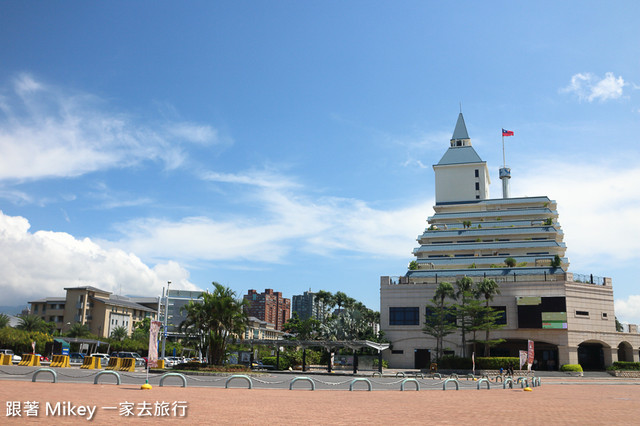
[[329, 345]]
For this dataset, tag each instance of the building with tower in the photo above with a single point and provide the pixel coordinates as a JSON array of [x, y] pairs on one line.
[[570, 317]]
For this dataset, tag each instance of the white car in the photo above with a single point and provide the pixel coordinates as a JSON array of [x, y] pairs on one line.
[[14, 357], [104, 358]]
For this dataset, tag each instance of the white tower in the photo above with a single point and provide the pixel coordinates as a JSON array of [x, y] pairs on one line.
[[505, 175], [461, 175]]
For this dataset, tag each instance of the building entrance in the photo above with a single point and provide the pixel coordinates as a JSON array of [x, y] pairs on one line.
[[422, 358], [591, 356]]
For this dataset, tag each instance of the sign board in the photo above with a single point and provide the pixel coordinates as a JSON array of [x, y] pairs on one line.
[[154, 328]]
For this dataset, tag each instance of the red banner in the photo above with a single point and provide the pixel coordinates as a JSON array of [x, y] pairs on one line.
[[530, 354]]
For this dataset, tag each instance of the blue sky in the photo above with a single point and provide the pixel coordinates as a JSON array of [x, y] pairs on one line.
[[289, 145]]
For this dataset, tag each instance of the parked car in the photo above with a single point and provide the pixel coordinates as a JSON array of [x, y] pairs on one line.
[[258, 365], [104, 358], [168, 361], [43, 358], [76, 358], [14, 357]]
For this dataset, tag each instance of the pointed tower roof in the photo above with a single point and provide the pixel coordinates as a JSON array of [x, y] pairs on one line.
[[460, 132]]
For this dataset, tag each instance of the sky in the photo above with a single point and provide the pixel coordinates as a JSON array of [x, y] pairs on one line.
[[289, 145]]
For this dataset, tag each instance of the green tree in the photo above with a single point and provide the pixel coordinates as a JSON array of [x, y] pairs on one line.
[[326, 301], [487, 289], [510, 262], [438, 319], [464, 293], [141, 331], [4, 320], [29, 322], [78, 330], [119, 333], [219, 318], [556, 262], [413, 265], [303, 329]]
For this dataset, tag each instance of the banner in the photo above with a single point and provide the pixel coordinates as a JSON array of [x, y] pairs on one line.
[[153, 343], [523, 358], [530, 355], [473, 360]]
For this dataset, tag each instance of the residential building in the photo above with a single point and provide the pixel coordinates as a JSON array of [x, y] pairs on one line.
[[305, 305], [269, 306], [100, 310], [569, 316]]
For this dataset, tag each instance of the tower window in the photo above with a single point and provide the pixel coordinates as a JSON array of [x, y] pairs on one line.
[[477, 186], [477, 173]]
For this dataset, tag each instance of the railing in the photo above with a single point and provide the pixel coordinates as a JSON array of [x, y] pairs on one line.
[[588, 279], [513, 277]]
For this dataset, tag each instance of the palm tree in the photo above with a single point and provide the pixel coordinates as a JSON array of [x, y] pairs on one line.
[[326, 300], [80, 330], [29, 322], [487, 288], [4, 320], [119, 333], [464, 292], [218, 319], [341, 299]]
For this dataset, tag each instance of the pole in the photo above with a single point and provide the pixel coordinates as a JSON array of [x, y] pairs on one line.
[[166, 314]]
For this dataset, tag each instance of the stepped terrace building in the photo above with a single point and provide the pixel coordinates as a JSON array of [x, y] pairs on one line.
[[570, 317]]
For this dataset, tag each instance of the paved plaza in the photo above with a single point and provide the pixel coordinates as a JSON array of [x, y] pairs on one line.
[[561, 399]]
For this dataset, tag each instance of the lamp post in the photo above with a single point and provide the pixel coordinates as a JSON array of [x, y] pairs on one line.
[[166, 314]]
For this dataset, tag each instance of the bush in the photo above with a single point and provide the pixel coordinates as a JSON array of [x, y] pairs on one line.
[[510, 262], [571, 367], [452, 362], [285, 363], [623, 365], [495, 363]]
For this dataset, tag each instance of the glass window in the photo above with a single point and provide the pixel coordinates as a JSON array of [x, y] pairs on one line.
[[404, 316]]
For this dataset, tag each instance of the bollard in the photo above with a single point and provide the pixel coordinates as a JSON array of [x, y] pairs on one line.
[[239, 376], [48, 370], [306, 379], [444, 385], [184, 379], [360, 380], [412, 381], [95, 381], [484, 381]]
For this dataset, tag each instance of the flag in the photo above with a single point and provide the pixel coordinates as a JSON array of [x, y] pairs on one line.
[[507, 132], [153, 343], [473, 360], [529, 354], [523, 358]]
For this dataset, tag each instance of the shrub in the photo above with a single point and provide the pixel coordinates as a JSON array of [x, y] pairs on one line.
[[510, 262], [497, 362], [623, 365], [285, 363], [571, 367], [452, 362]]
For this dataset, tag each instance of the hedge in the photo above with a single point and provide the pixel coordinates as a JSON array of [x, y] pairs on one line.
[[452, 362], [495, 363], [571, 367], [624, 365]]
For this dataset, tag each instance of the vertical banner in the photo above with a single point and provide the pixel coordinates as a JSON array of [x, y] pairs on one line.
[[523, 358], [473, 360], [530, 355], [153, 343]]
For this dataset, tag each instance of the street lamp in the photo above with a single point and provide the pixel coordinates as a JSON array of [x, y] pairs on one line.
[[166, 314]]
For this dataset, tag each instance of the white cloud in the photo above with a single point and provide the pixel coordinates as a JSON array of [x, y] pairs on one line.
[[49, 132], [43, 263], [598, 204], [283, 223], [589, 87], [628, 310]]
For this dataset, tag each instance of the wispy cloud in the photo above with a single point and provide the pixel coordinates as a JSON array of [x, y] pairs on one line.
[[43, 263], [284, 221], [588, 87], [46, 131]]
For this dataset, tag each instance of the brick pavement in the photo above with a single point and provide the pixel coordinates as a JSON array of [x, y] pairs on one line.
[[548, 404]]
